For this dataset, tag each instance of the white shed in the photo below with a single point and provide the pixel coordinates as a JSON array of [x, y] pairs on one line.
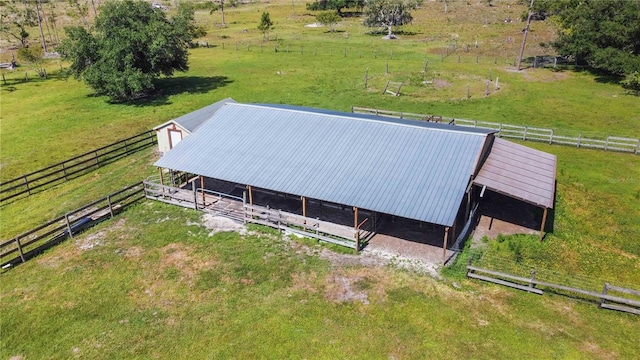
[[173, 131]]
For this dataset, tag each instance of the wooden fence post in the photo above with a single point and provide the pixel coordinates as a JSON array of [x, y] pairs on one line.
[[64, 171], [533, 277], [604, 292], [551, 137], [66, 220], [20, 249], [469, 264], [96, 157], [110, 205], [26, 183]]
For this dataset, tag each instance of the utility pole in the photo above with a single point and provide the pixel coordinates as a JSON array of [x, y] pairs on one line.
[[524, 38]]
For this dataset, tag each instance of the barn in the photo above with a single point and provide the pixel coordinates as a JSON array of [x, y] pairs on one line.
[[344, 177], [173, 131]]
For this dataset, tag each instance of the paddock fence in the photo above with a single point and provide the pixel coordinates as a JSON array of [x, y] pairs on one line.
[[75, 166], [539, 281], [33, 242], [529, 133]]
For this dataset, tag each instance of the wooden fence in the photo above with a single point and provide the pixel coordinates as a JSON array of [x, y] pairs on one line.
[[236, 208], [314, 228], [531, 133], [532, 285], [28, 244], [75, 166]]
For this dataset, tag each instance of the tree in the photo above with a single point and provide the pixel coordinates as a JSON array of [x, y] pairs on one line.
[[330, 18], [34, 57], [129, 47], [265, 24], [337, 5], [389, 13], [219, 5], [15, 21], [603, 34]]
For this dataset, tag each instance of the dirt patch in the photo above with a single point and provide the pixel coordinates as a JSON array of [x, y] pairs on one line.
[[90, 241], [539, 75], [304, 282], [597, 352], [441, 84], [343, 288], [179, 256], [221, 224], [133, 252]]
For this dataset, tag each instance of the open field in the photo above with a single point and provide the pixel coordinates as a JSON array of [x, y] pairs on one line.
[[152, 282]]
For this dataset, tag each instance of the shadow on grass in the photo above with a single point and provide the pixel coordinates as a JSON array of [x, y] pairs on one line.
[[384, 32], [168, 87]]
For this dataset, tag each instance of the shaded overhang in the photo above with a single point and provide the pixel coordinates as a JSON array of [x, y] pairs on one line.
[[520, 172]]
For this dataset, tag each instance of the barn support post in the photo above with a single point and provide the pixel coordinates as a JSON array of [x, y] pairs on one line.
[[161, 180], [304, 210], [444, 246], [250, 199], [202, 190], [453, 229], [355, 228], [195, 194], [244, 207], [467, 212], [544, 221]]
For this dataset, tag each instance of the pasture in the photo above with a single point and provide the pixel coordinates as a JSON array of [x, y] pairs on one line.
[[152, 282]]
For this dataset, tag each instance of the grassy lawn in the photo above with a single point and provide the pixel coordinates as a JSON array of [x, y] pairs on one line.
[[153, 283]]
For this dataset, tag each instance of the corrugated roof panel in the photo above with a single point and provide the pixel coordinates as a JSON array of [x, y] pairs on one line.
[[193, 120], [407, 169], [520, 172]]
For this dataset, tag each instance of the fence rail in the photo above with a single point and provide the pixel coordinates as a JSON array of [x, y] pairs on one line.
[[530, 133], [532, 285], [75, 166], [30, 243]]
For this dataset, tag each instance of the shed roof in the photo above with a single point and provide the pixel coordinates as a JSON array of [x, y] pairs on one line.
[[521, 172], [408, 169], [193, 120]]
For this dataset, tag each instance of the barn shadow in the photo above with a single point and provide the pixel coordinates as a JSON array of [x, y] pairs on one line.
[[167, 87]]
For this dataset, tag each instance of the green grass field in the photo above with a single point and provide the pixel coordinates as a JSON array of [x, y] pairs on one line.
[[153, 286]]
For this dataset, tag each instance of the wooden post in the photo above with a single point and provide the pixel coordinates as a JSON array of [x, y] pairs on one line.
[[110, 205], [355, 227], [20, 249], [304, 210], [604, 292], [468, 91], [467, 211], [250, 195], [202, 190], [387, 71], [195, 196], [544, 221], [64, 171], [66, 219], [444, 247], [4, 81], [524, 37], [161, 180], [26, 184]]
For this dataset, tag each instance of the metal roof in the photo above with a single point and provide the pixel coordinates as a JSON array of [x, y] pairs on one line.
[[409, 169], [193, 120], [520, 172]]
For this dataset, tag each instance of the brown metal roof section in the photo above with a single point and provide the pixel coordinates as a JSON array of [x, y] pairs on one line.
[[520, 172]]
